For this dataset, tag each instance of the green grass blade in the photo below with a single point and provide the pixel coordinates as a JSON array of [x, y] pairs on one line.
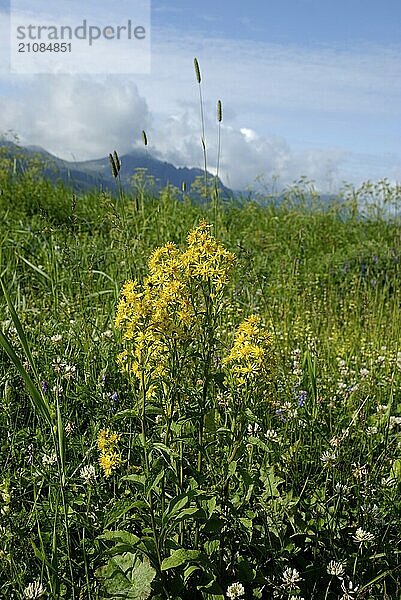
[[39, 402]]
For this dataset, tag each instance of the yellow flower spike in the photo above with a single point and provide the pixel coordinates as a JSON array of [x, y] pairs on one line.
[[109, 462], [250, 356]]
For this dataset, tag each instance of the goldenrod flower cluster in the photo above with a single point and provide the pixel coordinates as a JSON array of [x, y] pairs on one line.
[[206, 258], [250, 357], [164, 307], [110, 457]]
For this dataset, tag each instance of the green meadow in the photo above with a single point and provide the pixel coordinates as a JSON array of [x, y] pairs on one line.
[[237, 432]]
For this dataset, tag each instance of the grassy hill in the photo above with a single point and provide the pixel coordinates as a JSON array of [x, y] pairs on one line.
[[256, 462]]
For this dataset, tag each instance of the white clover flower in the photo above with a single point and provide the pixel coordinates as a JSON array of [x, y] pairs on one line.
[[362, 536], [364, 373], [69, 428], [49, 460], [69, 371], [328, 458], [371, 430], [272, 436], [107, 334], [56, 338], [235, 590], [88, 474], [336, 568], [389, 481], [381, 409], [290, 578], [34, 590], [349, 591], [58, 365], [57, 389], [394, 422], [341, 488]]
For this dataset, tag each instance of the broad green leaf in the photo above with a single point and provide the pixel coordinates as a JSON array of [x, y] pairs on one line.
[[180, 557], [126, 576]]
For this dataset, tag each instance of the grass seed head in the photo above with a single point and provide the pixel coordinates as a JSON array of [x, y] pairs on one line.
[[219, 111], [197, 70], [117, 160], [113, 165]]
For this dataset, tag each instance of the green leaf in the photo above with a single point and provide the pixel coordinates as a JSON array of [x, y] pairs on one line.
[[120, 537], [126, 576], [139, 479], [189, 570], [180, 557], [119, 510], [395, 471]]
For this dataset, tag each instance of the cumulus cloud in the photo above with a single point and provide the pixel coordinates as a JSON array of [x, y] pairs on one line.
[[247, 158], [287, 111], [76, 116]]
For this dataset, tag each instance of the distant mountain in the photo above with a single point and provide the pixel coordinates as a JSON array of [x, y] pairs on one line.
[[96, 174]]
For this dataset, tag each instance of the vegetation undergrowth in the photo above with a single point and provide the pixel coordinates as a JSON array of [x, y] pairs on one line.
[[193, 411]]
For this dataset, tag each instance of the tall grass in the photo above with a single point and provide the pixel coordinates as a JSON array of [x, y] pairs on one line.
[[263, 488]]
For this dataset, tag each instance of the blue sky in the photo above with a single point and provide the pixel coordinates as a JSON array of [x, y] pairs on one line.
[[308, 88]]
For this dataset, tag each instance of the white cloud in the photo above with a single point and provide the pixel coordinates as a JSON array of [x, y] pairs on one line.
[[74, 116], [245, 157], [287, 111]]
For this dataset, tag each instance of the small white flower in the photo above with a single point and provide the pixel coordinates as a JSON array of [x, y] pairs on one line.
[[371, 430], [362, 536], [57, 389], [49, 460], [272, 436], [56, 338], [389, 481], [58, 365], [364, 373], [328, 458], [88, 474], [394, 422], [253, 428], [290, 578], [69, 428], [349, 591], [69, 371], [235, 590], [335, 441], [34, 590], [359, 471], [381, 409], [335, 568]]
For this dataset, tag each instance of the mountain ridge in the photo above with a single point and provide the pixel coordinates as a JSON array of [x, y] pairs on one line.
[[96, 173]]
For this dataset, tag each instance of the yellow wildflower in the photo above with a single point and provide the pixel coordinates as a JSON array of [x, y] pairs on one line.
[[107, 440], [251, 355], [109, 461], [206, 258]]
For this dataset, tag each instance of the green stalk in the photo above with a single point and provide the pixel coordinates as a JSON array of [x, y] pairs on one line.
[[149, 494]]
